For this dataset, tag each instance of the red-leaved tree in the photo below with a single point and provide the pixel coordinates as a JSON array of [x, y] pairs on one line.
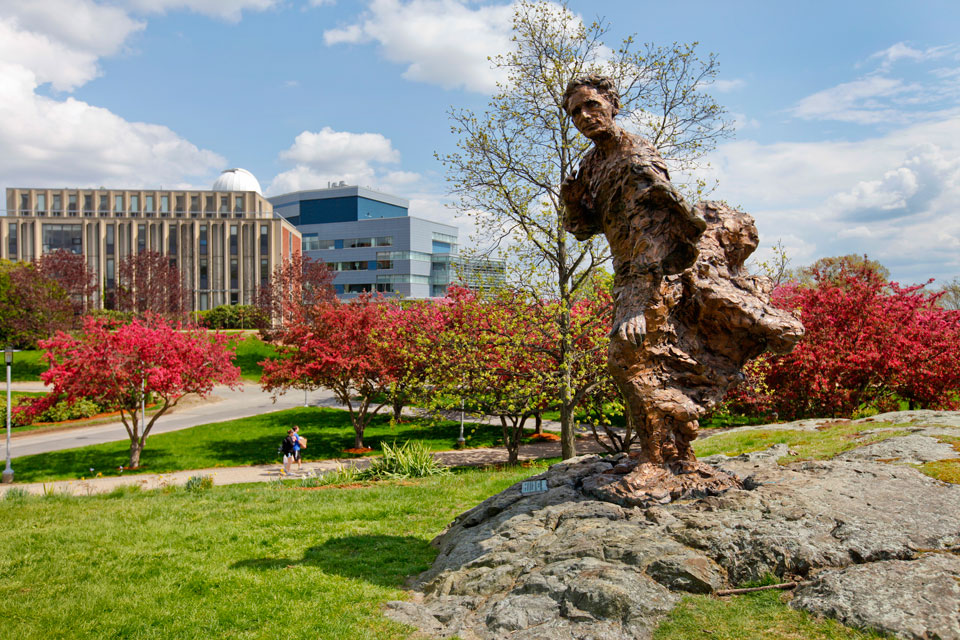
[[868, 343], [332, 345], [149, 283], [295, 287], [121, 366], [71, 271]]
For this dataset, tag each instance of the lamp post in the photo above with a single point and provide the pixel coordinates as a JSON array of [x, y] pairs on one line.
[[8, 357], [461, 441]]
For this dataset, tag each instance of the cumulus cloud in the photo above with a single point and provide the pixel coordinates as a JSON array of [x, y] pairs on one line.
[[331, 156], [230, 10], [891, 196], [725, 86], [864, 101], [444, 42], [50, 140]]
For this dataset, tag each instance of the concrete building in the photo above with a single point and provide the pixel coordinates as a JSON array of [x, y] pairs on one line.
[[226, 241], [372, 243]]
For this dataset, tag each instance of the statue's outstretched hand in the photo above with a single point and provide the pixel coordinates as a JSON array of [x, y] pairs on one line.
[[632, 330]]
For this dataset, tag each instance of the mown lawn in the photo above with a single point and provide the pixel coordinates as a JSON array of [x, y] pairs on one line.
[[264, 561], [246, 441]]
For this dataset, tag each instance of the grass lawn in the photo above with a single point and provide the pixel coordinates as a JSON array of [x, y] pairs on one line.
[[261, 561], [27, 366], [250, 352], [252, 440]]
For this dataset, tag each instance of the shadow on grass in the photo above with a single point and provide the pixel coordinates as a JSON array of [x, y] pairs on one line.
[[385, 561]]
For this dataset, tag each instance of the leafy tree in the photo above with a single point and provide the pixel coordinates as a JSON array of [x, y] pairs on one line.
[[150, 283], [32, 306], [513, 157], [73, 274], [950, 295], [123, 365], [333, 345], [831, 268], [297, 285], [868, 343]]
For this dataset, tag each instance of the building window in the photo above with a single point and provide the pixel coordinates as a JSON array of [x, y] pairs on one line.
[[72, 204], [41, 202], [165, 204], [194, 205], [264, 240], [111, 272], [264, 272], [111, 244], [57, 203], [204, 302], [87, 203], [204, 274], [383, 241], [12, 240], [358, 243], [234, 243], [24, 203], [63, 236], [234, 274], [234, 298], [172, 240], [203, 239], [118, 204], [384, 287], [104, 204], [238, 204], [311, 242], [224, 204], [141, 238], [384, 264], [357, 288], [134, 204], [148, 205]]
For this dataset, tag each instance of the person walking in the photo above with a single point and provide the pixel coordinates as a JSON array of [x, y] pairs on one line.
[[299, 444], [287, 449]]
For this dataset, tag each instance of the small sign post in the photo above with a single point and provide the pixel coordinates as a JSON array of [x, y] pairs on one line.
[[529, 487]]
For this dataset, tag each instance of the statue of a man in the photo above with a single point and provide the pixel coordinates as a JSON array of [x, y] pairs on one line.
[[622, 189]]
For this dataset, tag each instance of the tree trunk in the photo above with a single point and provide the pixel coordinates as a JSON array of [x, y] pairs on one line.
[[358, 436], [568, 446], [135, 449], [511, 439], [397, 408], [539, 425]]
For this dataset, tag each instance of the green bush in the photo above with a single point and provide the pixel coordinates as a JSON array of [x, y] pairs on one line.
[[59, 412], [412, 459], [197, 484], [341, 475], [233, 316]]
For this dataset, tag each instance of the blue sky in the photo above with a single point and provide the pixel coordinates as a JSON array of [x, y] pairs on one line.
[[848, 122]]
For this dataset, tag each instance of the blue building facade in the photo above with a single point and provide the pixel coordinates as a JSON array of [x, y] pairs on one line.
[[370, 240]]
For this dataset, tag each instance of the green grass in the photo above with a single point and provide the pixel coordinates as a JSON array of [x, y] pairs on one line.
[[248, 561], [823, 443], [252, 440], [27, 366], [268, 561], [756, 616], [250, 353]]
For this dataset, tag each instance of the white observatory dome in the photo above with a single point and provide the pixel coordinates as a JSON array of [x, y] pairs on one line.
[[237, 180]]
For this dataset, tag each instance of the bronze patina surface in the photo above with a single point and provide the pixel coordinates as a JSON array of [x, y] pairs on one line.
[[687, 314]]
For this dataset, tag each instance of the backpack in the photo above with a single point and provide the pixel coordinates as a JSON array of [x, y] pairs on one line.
[[286, 447]]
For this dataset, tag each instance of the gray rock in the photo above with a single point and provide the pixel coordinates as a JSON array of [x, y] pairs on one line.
[[912, 449], [564, 565], [910, 599]]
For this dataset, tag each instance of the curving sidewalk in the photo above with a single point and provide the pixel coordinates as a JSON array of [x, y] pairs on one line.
[[270, 472]]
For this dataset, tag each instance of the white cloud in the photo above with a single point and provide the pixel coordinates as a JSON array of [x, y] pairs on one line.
[[724, 86], [863, 101], [892, 196], [332, 156], [46, 140], [231, 10], [442, 42], [903, 51]]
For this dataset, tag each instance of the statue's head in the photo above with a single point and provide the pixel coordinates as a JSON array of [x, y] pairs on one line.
[[592, 102], [602, 84]]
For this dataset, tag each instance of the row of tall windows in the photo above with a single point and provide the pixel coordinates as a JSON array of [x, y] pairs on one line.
[[313, 243], [92, 204]]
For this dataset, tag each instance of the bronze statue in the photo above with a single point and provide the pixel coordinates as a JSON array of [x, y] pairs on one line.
[[687, 316]]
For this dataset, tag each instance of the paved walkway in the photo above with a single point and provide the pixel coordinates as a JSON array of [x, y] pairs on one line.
[[269, 472]]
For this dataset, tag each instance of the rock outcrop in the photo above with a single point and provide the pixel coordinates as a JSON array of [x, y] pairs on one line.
[[563, 564]]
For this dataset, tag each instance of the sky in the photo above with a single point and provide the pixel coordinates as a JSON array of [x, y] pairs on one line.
[[847, 113]]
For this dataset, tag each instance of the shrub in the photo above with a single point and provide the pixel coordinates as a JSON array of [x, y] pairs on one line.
[[412, 459], [197, 484], [341, 475], [16, 494], [118, 317], [233, 316]]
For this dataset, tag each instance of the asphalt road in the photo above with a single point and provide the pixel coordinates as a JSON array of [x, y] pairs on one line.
[[223, 404]]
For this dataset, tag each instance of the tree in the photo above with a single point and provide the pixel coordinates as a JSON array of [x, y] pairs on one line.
[[150, 283], [73, 274], [950, 298], [295, 286], [124, 365], [513, 157], [32, 306], [333, 345], [831, 268], [868, 343]]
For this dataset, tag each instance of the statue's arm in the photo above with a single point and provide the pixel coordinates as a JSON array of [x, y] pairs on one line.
[[579, 217]]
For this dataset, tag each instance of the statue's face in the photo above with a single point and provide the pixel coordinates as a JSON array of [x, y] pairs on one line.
[[592, 112]]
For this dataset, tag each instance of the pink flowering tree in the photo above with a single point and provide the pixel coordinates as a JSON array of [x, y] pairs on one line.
[[123, 366]]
